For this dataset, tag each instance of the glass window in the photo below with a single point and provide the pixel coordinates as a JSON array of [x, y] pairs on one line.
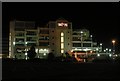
[[19, 40], [31, 33], [19, 34], [62, 51], [62, 45], [62, 39], [44, 31], [86, 44], [31, 38], [43, 43], [62, 34], [52, 25], [76, 44]]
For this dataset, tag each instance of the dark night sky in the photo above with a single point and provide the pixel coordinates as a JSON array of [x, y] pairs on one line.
[[100, 18]]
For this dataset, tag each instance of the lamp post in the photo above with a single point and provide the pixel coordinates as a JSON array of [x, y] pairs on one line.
[[113, 42], [91, 40], [101, 47], [81, 35]]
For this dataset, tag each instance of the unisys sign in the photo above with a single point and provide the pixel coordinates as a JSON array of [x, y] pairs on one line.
[[63, 24]]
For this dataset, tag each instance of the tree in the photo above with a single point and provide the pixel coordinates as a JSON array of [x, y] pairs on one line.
[[31, 52]]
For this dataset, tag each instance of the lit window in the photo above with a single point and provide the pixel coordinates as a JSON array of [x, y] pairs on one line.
[[45, 49], [36, 50], [62, 39], [71, 50], [62, 45], [25, 42], [66, 24], [40, 50], [97, 49], [60, 24], [25, 53], [110, 55], [9, 43], [13, 43], [62, 34], [44, 54], [98, 55], [62, 51], [9, 48]]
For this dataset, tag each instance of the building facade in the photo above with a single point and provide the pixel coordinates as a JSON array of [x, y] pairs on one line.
[[54, 37], [82, 40], [57, 37], [83, 45]]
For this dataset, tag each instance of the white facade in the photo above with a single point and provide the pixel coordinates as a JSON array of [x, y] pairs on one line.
[[82, 41], [56, 37], [47, 39]]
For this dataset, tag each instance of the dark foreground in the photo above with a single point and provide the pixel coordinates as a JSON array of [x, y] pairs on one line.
[[44, 70]]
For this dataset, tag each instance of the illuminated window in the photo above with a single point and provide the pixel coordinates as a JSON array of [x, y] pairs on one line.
[[44, 54], [98, 55], [62, 45], [66, 24], [13, 43], [36, 50], [9, 48], [62, 51], [40, 50], [25, 53], [62, 34], [60, 24], [62, 42], [26, 42], [62, 39], [9, 44], [45, 49]]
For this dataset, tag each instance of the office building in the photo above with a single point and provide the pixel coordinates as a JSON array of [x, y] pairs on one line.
[[57, 37]]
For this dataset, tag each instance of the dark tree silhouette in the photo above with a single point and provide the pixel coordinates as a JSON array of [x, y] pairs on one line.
[[31, 53], [51, 56]]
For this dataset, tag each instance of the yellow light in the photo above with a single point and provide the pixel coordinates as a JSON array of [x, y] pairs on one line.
[[62, 34], [113, 41], [91, 51], [62, 45], [13, 43], [36, 50], [44, 54], [98, 55], [62, 39], [62, 51]]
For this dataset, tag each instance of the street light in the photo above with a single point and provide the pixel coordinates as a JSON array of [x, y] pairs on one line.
[[81, 34], [101, 47], [113, 41], [91, 41]]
